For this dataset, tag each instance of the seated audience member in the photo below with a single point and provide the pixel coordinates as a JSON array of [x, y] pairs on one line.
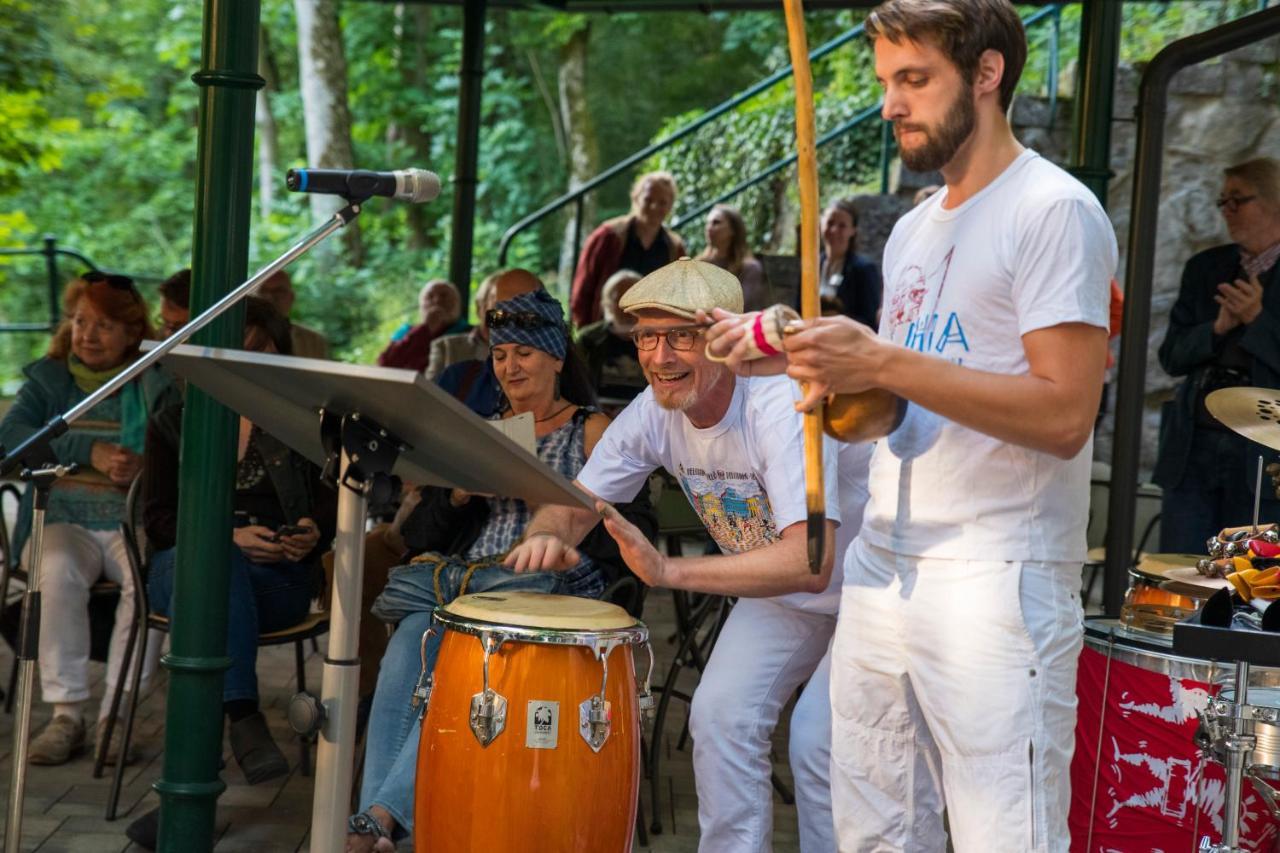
[[439, 306], [1223, 332], [458, 536], [726, 235], [105, 319], [307, 342], [638, 241], [463, 346], [175, 302], [284, 519], [850, 283], [473, 382], [610, 354]]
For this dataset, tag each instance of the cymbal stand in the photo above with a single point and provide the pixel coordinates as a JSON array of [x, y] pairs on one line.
[[1237, 744]]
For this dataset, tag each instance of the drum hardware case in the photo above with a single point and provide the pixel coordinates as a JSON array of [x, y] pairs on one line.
[[1246, 648]]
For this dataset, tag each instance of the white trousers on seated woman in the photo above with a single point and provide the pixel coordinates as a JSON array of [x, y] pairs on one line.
[[764, 653], [74, 559], [954, 676]]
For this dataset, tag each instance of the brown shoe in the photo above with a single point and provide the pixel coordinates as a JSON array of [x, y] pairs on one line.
[[58, 741], [113, 753]]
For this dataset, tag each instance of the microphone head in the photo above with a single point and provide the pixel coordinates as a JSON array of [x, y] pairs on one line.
[[417, 185]]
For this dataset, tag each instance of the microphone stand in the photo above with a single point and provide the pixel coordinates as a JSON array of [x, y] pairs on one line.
[[35, 460]]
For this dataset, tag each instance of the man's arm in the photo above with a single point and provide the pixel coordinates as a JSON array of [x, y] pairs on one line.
[[776, 569], [1051, 408], [551, 538]]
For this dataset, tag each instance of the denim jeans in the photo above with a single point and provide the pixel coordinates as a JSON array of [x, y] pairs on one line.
[[1216, 492], [263, 598], [395, 726]]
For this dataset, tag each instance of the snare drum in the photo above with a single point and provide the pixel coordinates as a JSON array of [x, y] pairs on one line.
[[532, 734], [1138, 781], [1263, 723]]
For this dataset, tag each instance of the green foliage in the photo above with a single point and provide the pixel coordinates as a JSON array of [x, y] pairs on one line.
[[98, 130]]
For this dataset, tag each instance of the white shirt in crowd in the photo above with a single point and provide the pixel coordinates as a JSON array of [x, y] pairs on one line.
[[744, 476], [1033, 249]]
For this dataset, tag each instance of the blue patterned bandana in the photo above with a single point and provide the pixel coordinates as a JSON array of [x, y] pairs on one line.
[[532, 319]]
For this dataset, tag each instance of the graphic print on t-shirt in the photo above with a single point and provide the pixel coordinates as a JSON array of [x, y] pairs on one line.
[[733, 507], [924, 331]]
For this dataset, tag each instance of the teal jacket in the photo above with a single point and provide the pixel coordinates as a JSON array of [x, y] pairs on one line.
[[50, 391]]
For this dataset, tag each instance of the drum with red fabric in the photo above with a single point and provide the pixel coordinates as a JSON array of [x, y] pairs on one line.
[[1138, 781]]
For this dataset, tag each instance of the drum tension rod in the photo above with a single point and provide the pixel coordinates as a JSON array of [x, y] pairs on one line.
[[595, 714], [488, 708]]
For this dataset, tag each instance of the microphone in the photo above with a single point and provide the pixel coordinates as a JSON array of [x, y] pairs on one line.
[[412, 185]]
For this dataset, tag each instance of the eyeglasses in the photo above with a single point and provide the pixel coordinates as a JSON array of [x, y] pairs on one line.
[[1231, 203], [679, 338], [119, 282], [497, 318]]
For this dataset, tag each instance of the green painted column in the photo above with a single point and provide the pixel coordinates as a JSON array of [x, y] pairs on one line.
[[1099, 53], [197, 659], [465, 177]]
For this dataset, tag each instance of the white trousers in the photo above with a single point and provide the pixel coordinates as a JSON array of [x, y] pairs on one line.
[[954, 678], [74, 559], [764, 653]]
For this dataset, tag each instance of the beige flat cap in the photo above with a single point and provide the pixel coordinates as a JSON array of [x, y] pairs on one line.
[[682, 287]]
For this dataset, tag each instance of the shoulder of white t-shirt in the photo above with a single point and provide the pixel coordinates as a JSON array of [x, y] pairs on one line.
[[1042, 183], [769, 395]]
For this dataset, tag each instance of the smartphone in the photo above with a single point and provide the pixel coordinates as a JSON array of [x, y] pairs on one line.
[[288, 530]]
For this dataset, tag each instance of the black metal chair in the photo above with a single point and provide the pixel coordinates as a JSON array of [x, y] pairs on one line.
[[310, 628]]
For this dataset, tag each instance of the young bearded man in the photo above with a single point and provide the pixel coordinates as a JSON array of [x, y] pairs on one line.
[[953, 667], [736, 446]]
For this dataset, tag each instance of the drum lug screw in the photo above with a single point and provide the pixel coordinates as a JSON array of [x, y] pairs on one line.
[[595, 717], [488, 716]]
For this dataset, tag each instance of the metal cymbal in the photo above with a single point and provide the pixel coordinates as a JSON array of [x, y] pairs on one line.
[[1251, 412]]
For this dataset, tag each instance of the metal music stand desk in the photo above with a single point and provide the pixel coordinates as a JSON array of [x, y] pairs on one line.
[[376, 421]]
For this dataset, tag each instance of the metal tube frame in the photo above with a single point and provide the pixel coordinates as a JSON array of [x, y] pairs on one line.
[[1139, 271]]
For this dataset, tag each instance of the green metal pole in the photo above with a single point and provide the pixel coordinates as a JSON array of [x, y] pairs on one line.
[[470, 84], [1099, 53], [190, 785]]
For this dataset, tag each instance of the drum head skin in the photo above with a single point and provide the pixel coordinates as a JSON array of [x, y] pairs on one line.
[[540, 610]]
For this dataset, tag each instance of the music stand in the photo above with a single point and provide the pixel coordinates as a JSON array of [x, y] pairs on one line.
[[372, 422]]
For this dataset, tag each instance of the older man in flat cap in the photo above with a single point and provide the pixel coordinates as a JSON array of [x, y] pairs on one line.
[[736, 446]]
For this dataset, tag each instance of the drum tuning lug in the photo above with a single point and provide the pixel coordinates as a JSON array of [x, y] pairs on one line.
[[646, 703], [306, 713], [595, 716], [488, 716]]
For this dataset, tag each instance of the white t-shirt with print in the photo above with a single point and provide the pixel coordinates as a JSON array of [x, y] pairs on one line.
[[1031, 250], [744, 476]]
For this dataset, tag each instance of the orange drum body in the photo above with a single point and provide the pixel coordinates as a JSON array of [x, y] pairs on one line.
[[535, 759]]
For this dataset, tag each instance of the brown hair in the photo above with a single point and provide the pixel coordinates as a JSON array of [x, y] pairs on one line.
[[739, 253], [1263, 174], [177, 288], [962, 30], [665, 178], [121, 304]]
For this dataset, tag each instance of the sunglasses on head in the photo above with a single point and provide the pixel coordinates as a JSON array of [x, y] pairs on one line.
[[119, 282], [497, 318]]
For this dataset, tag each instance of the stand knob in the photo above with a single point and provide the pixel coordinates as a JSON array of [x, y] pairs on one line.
[[306, 713]]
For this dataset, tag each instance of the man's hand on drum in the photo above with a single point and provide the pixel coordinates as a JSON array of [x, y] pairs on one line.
[[834, 355], [644, 560], [542, 552]]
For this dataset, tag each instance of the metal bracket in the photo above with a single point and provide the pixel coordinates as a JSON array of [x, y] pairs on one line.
[[645, 699], [371, 454], [488, 708], [422, 692], [595, 714]]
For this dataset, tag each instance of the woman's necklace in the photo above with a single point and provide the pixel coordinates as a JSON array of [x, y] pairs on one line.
[[554, 414]]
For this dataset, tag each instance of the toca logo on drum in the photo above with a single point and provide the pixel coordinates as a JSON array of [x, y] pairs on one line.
[[542, 724]]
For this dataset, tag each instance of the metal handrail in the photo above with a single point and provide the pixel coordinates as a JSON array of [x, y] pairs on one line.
[[51, 252], [576, 195]]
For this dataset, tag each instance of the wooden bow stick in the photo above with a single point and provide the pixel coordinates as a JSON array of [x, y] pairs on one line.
[[807, 169]]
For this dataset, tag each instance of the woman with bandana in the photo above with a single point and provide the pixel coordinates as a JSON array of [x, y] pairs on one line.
[[462, 537]]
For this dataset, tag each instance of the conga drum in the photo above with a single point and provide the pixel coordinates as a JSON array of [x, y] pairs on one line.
[[531, 739]]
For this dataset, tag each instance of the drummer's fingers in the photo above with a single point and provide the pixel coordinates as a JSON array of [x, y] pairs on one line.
[[814, 393]]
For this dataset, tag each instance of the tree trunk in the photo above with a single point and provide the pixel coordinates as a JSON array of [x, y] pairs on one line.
[[322, 75], [268, 136], [580, 143], [412, 32]]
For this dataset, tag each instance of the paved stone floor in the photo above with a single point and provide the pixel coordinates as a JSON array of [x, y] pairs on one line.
[[65, 805]]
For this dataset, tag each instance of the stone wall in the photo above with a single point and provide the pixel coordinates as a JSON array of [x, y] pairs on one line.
[[1220, 113]]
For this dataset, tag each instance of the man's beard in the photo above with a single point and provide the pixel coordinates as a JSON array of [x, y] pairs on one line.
[[943, 141]]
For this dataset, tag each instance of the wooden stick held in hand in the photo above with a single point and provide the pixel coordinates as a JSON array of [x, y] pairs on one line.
[[807, 171]]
